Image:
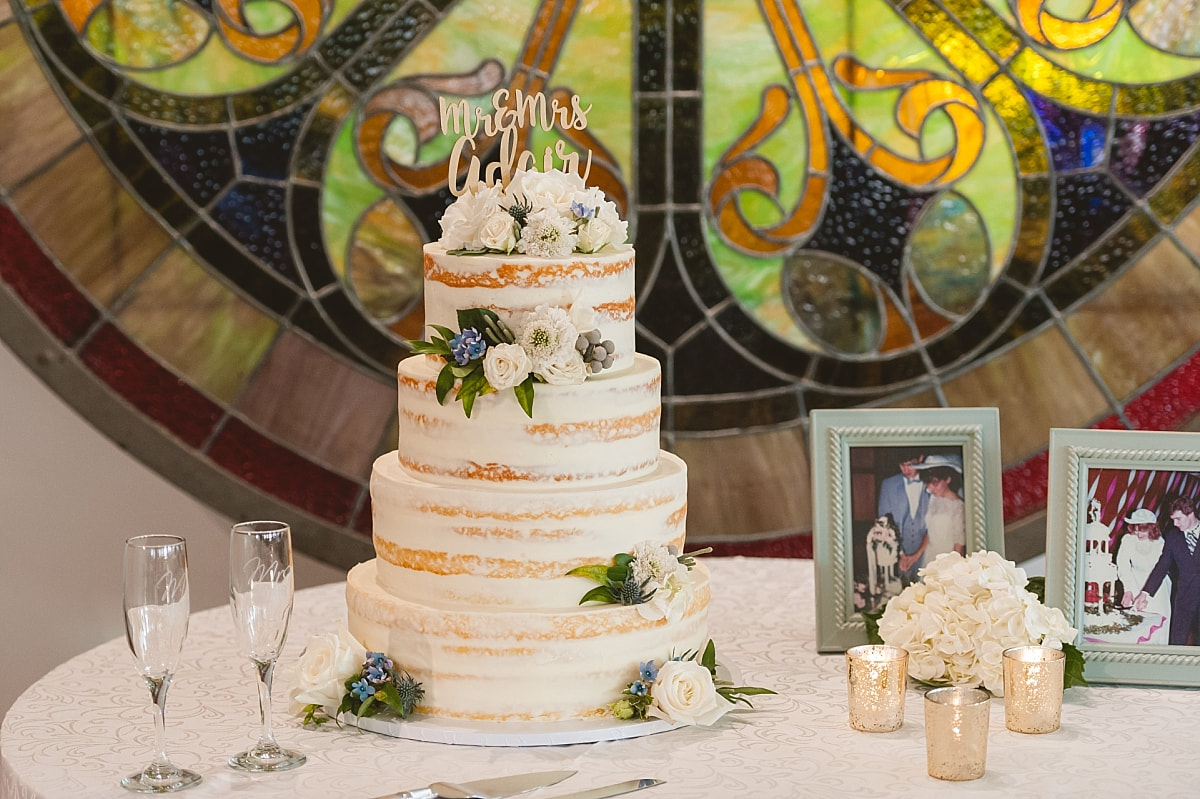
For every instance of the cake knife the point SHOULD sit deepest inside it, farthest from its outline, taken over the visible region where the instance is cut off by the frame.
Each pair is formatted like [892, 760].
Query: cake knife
[495, 788]
[615, 789]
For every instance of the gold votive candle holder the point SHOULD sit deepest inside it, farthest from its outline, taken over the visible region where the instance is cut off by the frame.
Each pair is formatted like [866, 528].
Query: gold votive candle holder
[876, 676]
[1033, 688]
[956, 731]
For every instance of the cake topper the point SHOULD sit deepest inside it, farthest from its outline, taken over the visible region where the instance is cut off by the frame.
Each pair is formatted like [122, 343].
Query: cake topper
[514, 110]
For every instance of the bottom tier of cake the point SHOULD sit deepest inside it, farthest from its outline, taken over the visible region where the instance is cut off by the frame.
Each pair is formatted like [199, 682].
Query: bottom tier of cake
[513, 665]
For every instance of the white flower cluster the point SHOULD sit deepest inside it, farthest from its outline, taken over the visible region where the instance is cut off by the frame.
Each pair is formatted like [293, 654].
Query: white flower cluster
[684, 693]
[545, 345]
[325, 665]
[562, 215]
[659, 568]
[958, 620]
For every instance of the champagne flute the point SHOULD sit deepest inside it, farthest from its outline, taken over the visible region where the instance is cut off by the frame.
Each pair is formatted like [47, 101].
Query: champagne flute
[157, 605]
[260, 596]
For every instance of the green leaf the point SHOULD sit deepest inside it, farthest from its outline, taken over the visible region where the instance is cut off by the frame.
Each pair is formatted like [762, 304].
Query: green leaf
[709, 659]
[445, 382]
[1037, 587]
[445, 333]
[618, 574]
[623, 559]
[524, 394]
[436, 347]
[1073, 670]
[871, 620]
[463, 371]
[601, 593]
[478, 318]
[472, 385]
[596, 572]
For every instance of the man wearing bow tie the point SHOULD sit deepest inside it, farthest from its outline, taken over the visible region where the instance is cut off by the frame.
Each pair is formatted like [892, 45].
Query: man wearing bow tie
[1181, 559]
[903, 496]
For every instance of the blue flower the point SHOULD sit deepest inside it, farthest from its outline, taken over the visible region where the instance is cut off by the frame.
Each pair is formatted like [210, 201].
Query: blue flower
[375, 674]
[362, 690]
[649, 671]
[467, 346]
[638, 688]
[581, 211]
[379, 661]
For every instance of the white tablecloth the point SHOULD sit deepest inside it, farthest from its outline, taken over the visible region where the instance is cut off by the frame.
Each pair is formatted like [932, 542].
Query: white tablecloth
[86, 724]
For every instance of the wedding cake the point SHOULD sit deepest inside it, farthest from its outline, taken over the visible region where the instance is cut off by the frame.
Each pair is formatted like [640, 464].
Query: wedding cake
[528, 448]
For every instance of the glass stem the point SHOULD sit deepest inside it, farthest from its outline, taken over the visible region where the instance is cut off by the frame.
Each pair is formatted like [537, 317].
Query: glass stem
[266, 671]
[158, 692]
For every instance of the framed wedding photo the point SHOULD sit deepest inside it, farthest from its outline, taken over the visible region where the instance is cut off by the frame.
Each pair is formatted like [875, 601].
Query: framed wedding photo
[1122, 559]
[892, 489]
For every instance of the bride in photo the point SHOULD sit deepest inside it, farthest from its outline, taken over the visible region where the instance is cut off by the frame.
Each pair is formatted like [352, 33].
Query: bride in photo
[945, 519]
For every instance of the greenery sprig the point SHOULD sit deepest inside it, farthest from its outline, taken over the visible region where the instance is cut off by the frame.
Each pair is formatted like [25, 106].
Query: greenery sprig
[639, 695]
[618, 584]
[463, 352]
[377, 685]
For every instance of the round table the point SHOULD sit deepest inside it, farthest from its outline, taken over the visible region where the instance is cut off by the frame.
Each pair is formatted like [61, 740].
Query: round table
[87, 723]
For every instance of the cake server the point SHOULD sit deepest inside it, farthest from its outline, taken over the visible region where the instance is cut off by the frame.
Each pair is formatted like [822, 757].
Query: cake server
[615, 789]
[495, 788]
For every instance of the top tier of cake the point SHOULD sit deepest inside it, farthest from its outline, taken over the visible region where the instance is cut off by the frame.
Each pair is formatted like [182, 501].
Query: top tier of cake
[512, 285]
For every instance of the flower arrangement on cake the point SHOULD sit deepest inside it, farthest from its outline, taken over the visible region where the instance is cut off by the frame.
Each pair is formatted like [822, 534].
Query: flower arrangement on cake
[550, 345]
[964, 612]
[547, 214]
[338, 675]
[684, 690]
[655, 577]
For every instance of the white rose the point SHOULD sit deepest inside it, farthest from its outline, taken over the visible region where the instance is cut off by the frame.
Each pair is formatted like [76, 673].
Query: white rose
[499, 231]
[618, 227]
[566, 370]
[506, 366]
[594, 235]
[325, 665]
[551, 190]
[684, 693]
[463, 221]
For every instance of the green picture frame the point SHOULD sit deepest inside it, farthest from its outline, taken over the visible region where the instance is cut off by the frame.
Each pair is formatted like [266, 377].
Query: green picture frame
[1149, 469]
[849, 460]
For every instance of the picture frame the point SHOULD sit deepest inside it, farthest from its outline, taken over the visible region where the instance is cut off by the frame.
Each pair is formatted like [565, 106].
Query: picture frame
[1107, 485]
[853, 453]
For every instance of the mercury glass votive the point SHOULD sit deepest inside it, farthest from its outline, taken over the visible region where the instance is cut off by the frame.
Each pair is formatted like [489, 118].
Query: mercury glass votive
[1033, 688]
[876, 676]
[956, 730]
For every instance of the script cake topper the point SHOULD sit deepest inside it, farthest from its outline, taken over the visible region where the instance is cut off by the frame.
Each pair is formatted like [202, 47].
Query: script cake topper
[513, 111]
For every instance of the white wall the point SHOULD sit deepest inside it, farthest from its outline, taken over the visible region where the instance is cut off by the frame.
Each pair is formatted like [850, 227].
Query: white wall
[69, 498]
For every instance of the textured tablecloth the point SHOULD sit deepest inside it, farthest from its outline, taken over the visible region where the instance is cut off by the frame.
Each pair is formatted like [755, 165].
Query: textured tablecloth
[77, 731]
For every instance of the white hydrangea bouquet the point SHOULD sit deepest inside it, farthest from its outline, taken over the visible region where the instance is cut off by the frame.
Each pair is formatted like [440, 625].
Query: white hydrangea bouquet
[959, 618]
[544, 214]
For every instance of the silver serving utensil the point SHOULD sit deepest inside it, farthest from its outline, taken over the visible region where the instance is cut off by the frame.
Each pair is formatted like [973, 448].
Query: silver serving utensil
[495, 788]
[615, 789]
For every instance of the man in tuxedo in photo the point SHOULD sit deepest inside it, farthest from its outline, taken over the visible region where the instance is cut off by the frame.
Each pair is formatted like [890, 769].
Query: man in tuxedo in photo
[904, 498]
[1180, 558]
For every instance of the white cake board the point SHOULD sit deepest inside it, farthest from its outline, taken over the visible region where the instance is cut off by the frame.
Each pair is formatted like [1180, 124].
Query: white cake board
[515, 733]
